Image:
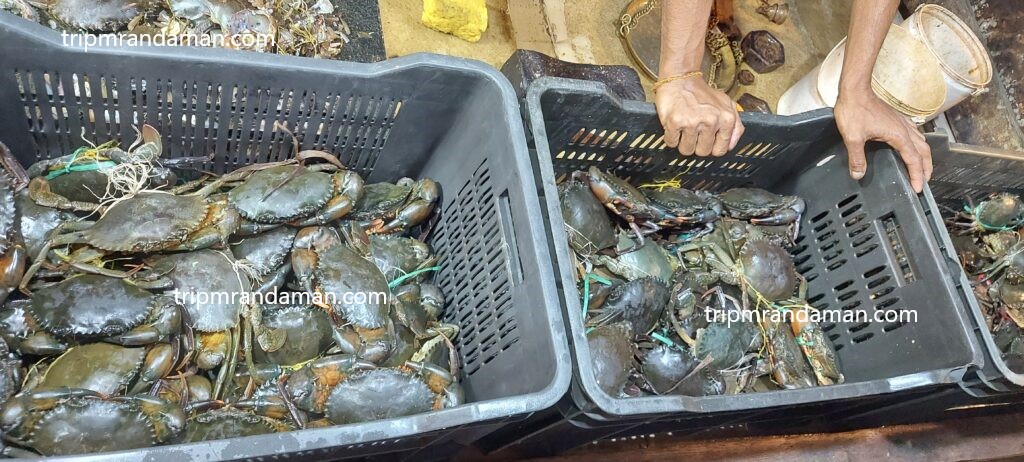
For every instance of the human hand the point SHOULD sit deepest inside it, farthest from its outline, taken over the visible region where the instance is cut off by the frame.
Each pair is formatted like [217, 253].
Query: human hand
[697, 118]
[862, 117]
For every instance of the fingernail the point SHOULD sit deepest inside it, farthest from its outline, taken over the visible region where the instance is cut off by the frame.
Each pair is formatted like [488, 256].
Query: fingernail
[856, 174]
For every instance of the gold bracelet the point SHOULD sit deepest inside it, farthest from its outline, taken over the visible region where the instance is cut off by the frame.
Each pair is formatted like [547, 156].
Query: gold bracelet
[687, 75]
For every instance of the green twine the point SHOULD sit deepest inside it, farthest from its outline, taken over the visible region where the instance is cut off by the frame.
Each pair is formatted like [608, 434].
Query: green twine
[802, 342]
[70, 167]
[401, 279]
[974, 212]
[663, 339]
[586, 290]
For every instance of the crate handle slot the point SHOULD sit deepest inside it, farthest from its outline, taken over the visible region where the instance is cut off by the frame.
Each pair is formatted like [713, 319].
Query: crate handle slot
[508, 231]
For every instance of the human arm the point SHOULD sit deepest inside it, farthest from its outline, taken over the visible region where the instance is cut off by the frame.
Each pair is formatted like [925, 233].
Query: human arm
[860, 114]
[697, 118]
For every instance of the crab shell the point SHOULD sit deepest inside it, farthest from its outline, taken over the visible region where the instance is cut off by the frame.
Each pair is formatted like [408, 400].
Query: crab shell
[299, 196]
[101, 367]
[147, 221]
[341, 274]
[679, 202]
[91, 307]
[611, 354]
[750, 202]
[641, 302]
[307, 332]
[397, 256]
[769, 269]
[8, 212]
[586, 219]
[35, 221]
[725, 343]
[266, 251]
[380, 198]
[620, 196]
[378, 394]
[85, 425]
[1001, 211]
[230, 423]
[664, 367]
[210, 272]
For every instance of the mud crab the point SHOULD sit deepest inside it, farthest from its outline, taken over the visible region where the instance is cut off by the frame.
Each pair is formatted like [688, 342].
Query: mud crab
[75, 421]
[395, 256]
[267, 253]
[586, 220]
[680, 206]
[306, 331]
[624, 200]
[612, 354]
[646, 259]
[353, 288]
[763, 269]
[90, 308]
[213, 420]
[107, 369]
[761, 207]
[296, 194]
[387, 208]
[1000, 212]
[640, 302]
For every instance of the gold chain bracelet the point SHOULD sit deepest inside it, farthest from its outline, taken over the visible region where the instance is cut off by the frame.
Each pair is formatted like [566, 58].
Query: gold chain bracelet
[687, 75]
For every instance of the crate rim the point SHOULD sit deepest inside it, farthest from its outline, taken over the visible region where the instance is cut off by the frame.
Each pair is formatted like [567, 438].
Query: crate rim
[603, 404]
[493, 410]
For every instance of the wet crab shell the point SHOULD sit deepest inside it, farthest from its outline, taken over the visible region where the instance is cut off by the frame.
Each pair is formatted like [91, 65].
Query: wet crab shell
[101, 367]
[147, 221]
[769, 269]
[750, 202]
[1003, 210]
[300, 196]
[85, 425]
[35, 222]
[229, 423]
[664, 367]
[211, 273]
[341, 275]
[586, 219]
[641, 302]
[90, 307]
[8, 212]
[611, 354]
[307, 332]
[396, 256]
[725, 343]
[378, 394]
[380, 198]
[85, 186]
[268, 250]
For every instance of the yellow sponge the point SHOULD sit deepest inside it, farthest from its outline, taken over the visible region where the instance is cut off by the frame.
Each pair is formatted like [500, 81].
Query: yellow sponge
[465, 19]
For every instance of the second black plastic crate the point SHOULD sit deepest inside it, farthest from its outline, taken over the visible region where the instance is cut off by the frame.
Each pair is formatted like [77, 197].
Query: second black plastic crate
[863, 245]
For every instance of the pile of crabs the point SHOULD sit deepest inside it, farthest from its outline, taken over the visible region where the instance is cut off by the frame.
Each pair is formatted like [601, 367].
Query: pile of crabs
[137, 308]
[672, 283]
[987, 238]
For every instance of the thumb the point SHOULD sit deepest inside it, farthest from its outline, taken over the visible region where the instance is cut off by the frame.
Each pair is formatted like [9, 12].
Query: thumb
[856, 159]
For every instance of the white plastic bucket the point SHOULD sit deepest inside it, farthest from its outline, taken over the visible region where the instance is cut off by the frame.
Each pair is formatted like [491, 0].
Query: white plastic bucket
[906, 76]
[966, 66]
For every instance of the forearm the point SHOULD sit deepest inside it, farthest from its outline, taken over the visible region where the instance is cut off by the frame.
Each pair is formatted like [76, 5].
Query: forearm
[869, 24]
[684, 24]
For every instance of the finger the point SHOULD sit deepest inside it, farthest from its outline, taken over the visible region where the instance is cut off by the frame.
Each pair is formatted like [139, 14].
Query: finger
[706, 139]
[672, 137]
[737, 132]
[925, 152]
[724, 136]
[912, 158]
[688, 141]
[856, 159]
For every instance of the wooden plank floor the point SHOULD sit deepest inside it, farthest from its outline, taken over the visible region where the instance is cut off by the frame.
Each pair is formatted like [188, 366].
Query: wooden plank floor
[974, 438]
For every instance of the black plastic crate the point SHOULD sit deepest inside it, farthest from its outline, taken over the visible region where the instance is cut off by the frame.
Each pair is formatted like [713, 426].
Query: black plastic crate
[454, 120]
[965, 172]
[872, 242]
